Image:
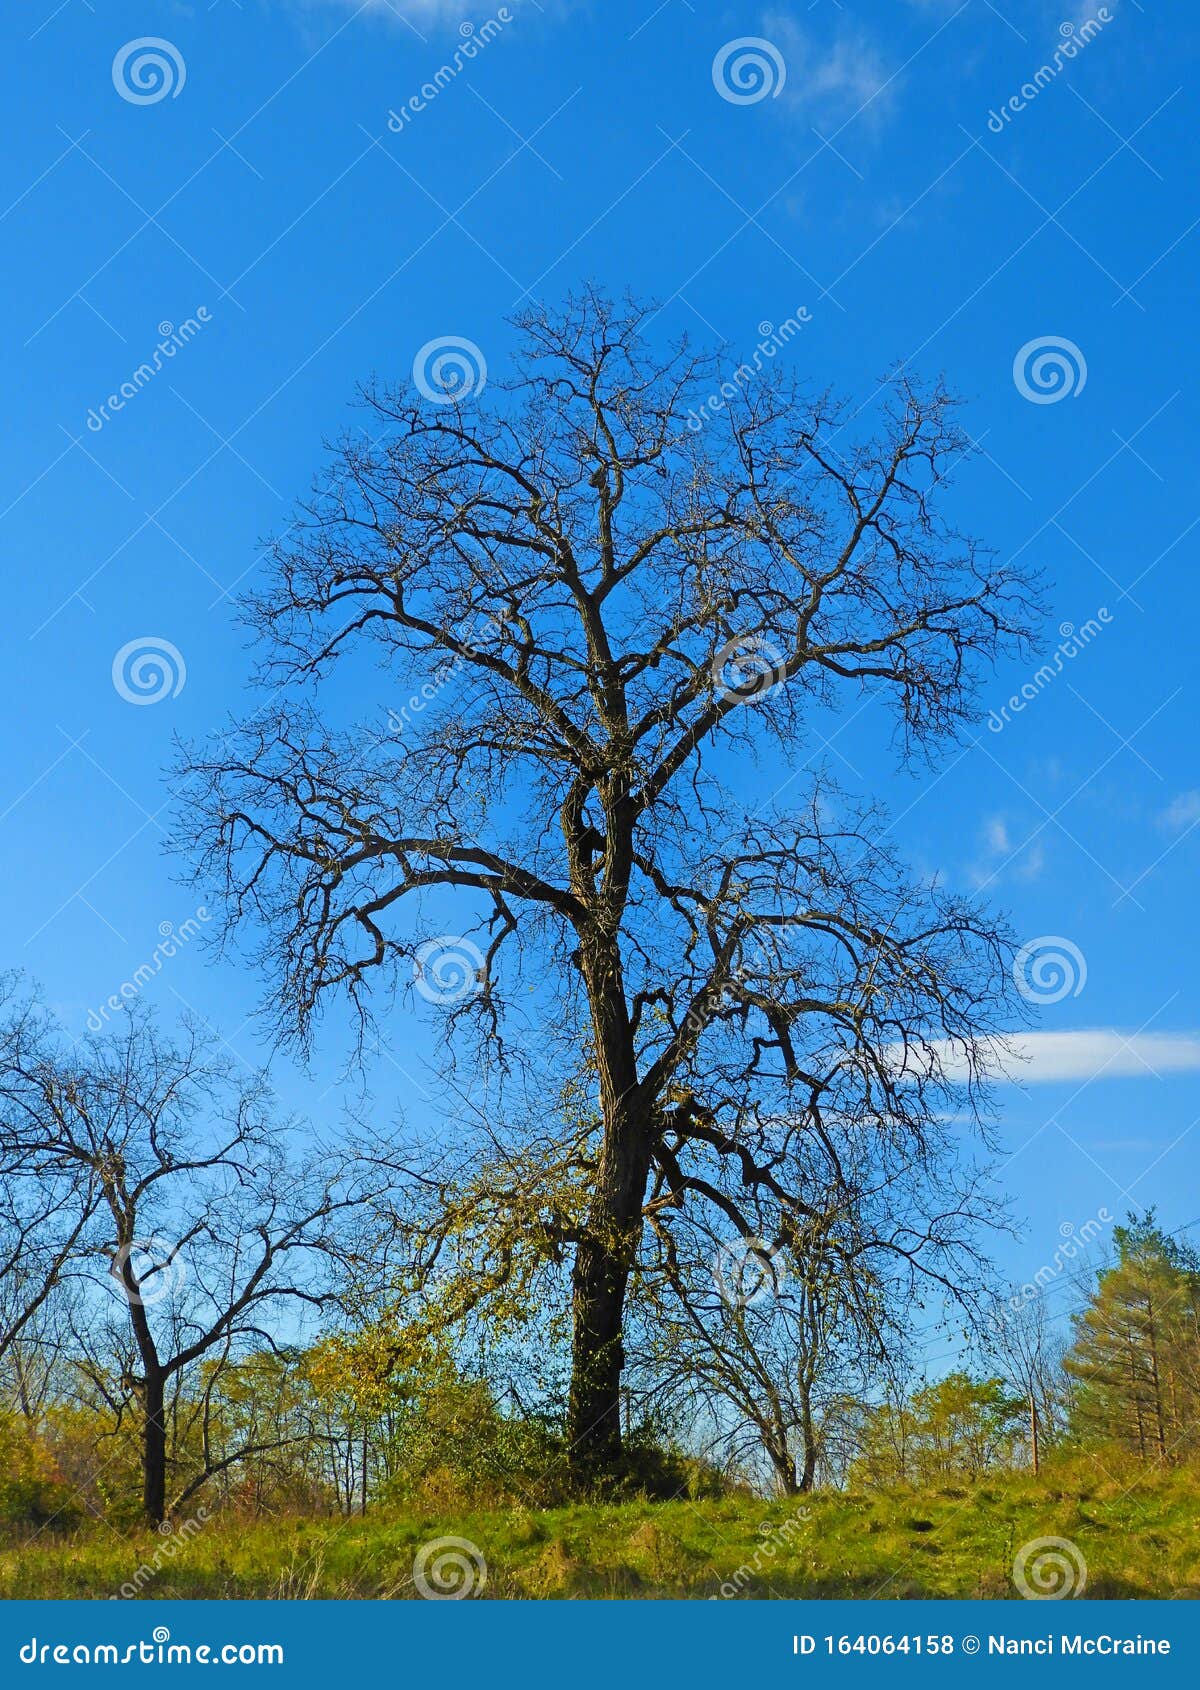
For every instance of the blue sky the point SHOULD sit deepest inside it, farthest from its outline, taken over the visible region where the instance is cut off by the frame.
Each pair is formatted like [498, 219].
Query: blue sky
[264, 202]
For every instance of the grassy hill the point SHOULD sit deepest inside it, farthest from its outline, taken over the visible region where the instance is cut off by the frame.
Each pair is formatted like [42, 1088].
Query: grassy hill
[1138, 1534]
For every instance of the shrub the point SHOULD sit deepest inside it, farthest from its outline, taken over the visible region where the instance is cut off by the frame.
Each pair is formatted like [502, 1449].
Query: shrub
[32, 1490]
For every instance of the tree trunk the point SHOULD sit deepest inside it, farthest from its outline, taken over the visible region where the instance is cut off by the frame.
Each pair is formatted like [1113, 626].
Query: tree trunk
[605, 1254]
[599, 1280]
[24, 1403]
[808, 1435]
[785, 1469]
[154, 1375]
[154, 1450]
[1033, 1433]
[597, 1357]
[1159, 1428]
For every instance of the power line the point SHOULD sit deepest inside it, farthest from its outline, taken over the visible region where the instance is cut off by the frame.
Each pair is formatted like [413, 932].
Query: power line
[1062, 1314]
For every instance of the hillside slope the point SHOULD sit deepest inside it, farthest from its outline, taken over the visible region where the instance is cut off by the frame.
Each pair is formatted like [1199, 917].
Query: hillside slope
[1137, 1538]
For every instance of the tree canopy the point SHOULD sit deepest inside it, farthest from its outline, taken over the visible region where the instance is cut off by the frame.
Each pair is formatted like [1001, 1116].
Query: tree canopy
[611, 610]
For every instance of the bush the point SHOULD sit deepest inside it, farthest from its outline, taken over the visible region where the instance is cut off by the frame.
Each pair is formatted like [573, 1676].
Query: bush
[32, 1490]
[456, 1446]
[655, 1468]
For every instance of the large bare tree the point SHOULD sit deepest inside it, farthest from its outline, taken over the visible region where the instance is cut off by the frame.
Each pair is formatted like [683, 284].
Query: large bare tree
[600, 613]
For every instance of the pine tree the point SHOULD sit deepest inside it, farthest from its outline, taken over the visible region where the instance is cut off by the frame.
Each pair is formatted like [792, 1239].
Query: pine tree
[1135, 1356]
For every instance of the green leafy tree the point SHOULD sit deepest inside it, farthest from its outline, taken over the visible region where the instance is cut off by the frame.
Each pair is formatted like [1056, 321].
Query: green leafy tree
[958, 1427]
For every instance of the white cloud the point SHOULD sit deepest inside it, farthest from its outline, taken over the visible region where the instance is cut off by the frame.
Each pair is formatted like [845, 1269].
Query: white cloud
[840, 76]
[1032, 862]
[1182, 812]
[995, 835]
[1024, 860]
[1092, 1054]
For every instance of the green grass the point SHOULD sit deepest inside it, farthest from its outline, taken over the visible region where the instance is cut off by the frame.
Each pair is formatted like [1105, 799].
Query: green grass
[1139, 1535]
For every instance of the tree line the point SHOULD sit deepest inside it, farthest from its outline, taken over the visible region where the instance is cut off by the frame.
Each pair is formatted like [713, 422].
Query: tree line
[192, 1314]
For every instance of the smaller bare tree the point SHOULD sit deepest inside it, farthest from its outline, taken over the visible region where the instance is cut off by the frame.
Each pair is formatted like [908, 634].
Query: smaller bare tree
[751, 1341]
[779, 1327]
[47, 1206]
[205, 1231]
[1021, 1341]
